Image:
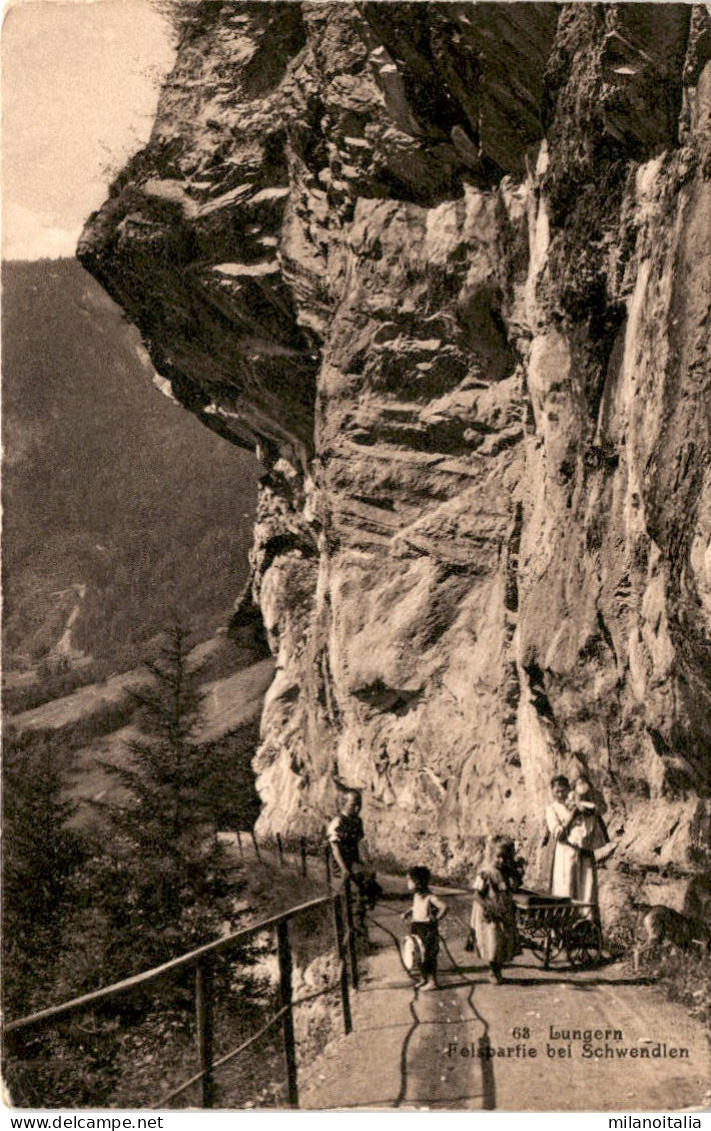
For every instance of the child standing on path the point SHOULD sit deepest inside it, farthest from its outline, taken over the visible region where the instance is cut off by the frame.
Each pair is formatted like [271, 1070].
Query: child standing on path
[493, 914]
[427, 911]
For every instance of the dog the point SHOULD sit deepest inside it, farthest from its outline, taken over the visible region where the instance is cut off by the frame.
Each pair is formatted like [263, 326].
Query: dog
[662, 925]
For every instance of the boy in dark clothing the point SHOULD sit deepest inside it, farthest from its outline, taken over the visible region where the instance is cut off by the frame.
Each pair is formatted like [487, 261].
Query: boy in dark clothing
[426, 912]
[345, 832]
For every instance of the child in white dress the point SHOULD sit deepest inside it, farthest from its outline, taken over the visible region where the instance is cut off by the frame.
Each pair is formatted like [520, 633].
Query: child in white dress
[493, 920]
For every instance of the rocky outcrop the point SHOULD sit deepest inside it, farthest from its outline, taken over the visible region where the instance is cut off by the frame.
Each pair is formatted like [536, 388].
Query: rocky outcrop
[446, 268]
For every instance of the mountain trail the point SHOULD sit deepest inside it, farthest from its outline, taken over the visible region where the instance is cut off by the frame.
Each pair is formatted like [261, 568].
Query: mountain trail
[477, 1046]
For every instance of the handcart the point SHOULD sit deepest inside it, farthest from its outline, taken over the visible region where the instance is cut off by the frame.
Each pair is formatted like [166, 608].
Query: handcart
[549, 925]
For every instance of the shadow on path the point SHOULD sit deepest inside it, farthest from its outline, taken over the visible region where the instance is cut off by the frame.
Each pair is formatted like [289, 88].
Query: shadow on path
[456, 1049]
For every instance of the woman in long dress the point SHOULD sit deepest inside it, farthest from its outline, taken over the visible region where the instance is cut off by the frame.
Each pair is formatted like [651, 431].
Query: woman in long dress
[586, 834]
[564, 856]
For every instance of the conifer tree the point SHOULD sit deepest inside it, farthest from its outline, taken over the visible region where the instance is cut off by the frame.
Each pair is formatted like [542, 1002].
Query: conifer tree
[165, 878]
[40, 852]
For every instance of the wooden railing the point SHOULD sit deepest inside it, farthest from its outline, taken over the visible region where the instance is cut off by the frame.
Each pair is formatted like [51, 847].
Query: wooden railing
[202, 960]
[301, 848]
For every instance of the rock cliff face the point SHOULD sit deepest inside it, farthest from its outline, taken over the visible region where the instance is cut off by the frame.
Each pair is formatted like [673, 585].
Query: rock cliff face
[446, 267]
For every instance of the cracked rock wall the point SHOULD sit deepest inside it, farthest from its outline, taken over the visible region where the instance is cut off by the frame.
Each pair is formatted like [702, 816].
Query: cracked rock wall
[446, 268]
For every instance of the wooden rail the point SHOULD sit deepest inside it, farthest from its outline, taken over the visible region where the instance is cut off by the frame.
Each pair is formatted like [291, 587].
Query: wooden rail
[285, 1000]
[191, 958]
[202, 960]
[299, 847]
[204, 1027]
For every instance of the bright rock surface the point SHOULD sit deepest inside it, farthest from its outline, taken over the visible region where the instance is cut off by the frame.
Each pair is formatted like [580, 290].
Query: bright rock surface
[446, 267]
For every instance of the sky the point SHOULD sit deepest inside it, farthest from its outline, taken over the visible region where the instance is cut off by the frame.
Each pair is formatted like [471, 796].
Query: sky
[80, 83]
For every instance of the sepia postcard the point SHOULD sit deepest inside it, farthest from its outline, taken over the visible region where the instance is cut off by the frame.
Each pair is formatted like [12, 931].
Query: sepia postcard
[356, 492]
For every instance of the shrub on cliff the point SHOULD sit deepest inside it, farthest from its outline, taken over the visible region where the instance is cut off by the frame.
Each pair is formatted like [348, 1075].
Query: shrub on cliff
[187, 16]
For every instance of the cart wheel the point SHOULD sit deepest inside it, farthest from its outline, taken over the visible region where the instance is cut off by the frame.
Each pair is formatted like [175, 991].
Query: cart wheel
[583, 943]
[543, 945]
[537, 949]
[413, 954]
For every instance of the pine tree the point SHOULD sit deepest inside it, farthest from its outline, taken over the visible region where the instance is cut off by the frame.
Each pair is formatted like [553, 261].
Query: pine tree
[165, 878]
[40, 853]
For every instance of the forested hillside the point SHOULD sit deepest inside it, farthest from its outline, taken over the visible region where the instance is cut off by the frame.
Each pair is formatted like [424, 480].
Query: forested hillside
[119, 507]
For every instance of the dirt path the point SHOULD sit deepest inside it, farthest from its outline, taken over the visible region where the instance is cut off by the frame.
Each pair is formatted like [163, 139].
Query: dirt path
[443, 1050]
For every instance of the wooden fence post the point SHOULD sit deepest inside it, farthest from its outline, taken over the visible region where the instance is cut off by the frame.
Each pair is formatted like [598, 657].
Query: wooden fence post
[256, 847]
[343, 978]
[352, 951]
[204, 1025]
[281, 850]
[285, 994]
[304, 866]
